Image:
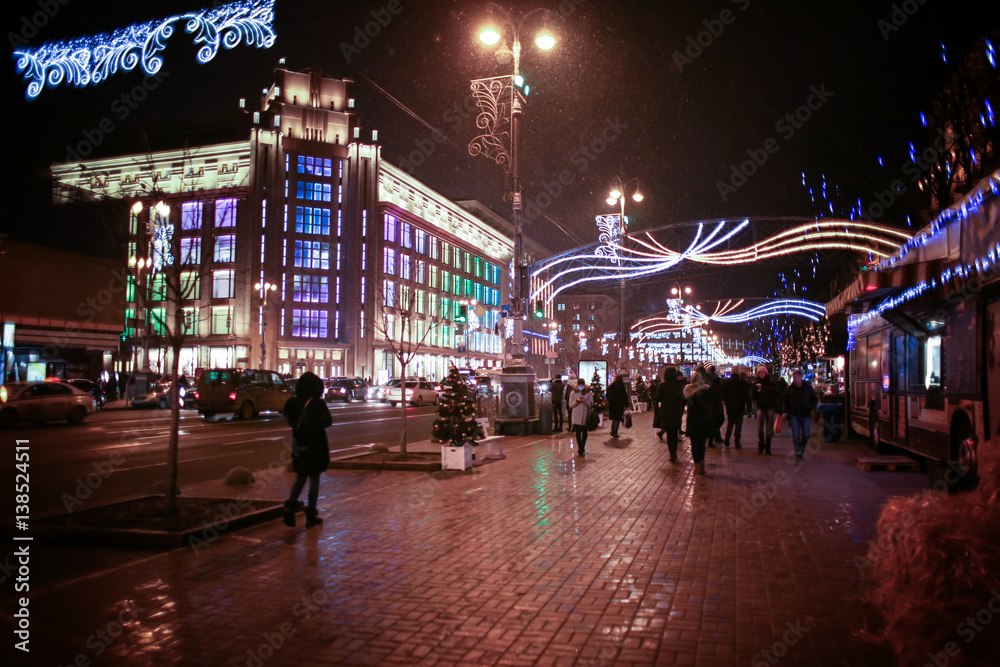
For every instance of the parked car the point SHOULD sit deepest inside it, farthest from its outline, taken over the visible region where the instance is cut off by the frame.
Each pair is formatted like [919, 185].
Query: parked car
[417, 392]
[347, 390]
[91, 388]
[243, 392]
[40, 402]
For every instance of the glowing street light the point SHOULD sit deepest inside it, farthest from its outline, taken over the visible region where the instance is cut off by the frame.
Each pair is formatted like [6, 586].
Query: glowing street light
[616, 197]
[263, 288]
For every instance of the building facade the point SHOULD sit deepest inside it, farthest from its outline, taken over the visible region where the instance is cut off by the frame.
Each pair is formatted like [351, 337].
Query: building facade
[367, 263]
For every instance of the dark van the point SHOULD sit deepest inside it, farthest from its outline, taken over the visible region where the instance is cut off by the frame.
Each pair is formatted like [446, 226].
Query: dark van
[241, 391]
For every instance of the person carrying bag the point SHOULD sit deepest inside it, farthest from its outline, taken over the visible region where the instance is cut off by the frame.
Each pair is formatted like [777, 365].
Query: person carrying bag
[582, 415]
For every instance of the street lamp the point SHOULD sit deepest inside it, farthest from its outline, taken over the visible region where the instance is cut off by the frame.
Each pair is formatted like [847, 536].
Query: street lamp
[262, 291]
[678, 292]
[490, 94]
[616, 197]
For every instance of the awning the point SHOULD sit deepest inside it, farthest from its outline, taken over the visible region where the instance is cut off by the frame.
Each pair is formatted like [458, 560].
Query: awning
[875, 283]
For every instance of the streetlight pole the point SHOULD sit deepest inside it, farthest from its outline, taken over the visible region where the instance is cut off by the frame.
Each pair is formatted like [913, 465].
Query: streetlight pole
[488, 93]
[617, 196]
[262, 292]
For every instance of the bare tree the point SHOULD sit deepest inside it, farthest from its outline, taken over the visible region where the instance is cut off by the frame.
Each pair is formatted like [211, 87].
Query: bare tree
[398, 312]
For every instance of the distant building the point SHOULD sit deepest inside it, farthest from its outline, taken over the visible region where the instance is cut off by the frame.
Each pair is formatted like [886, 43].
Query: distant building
[61, 312]
[587, 326]
[304, 203]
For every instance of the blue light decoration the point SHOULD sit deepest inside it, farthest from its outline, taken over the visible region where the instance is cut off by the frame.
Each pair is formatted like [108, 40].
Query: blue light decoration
[991, 54]
[923, 119]
[92, 59]
[163, 232]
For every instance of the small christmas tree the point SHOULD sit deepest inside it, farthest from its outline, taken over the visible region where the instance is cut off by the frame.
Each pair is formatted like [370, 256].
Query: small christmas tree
[456, 421]
[598, 391]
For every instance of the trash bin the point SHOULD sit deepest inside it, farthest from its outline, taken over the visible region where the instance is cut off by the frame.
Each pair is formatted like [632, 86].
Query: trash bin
[831, 418]
[545, 415]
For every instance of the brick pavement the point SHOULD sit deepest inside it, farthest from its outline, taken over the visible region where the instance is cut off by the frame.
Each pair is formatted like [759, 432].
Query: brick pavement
[544, 558]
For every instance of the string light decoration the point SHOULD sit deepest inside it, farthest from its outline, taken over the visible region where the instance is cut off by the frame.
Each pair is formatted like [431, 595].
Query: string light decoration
[92, 59]
[806, 347]
[642, 254]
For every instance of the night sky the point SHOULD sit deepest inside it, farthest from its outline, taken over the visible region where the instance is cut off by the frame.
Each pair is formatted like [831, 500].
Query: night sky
[612, 98]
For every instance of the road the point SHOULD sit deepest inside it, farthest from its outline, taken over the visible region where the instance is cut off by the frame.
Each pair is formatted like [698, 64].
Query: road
[122, 452]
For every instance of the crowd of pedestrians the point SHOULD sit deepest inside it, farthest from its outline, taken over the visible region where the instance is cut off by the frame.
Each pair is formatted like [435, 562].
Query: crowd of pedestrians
[708, 400]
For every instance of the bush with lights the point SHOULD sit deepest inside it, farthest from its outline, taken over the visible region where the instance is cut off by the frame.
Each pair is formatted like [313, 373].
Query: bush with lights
[456, 422]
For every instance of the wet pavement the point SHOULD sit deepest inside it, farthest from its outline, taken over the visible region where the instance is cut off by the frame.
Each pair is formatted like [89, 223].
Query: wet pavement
[544, 558]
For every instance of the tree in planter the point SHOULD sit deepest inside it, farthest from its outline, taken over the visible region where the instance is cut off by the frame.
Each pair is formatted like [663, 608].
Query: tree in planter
[598, 392]
[395, 323]
[456, 421]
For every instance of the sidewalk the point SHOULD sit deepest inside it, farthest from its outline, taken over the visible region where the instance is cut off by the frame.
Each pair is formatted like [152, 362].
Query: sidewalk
[544, 558]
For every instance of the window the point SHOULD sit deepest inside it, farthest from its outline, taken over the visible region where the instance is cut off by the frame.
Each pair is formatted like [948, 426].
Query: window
[404, 267]
[479, 292]
[191, 251]
[560, 306]
[190, 286]
[223, 285]
[432, 305]
[222, 319]
[468, 262]
[406, 235]
[309, 323]
[225, 213]
[435, 272]
[191, 215]
[923, 363]
[310, 220]
[157, 287]
[420, 241]
[389, 261]
[457, 258]
[446, 308]
[421, 272]
[421, 301]
[445, 280]
[468, 287]
[390, 228]
[456, 286]
[224, 247]
[389, 294]
[190, 316]
[312, 289]
[315, 166]
[445, 252]
[433, 247]
[313, 191]
[312, 255]
[496, 275]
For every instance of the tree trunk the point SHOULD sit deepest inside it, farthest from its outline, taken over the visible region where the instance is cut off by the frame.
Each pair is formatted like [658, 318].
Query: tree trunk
[175, 420]
[402, 404]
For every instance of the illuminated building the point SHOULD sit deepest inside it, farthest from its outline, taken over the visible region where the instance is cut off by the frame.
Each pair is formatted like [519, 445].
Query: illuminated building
[305, 202]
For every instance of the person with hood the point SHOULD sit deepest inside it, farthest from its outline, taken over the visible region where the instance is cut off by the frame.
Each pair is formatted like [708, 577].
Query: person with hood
[715, 408]
[669, 410]
[556, 387]
[617, 402]
[309, 417]
[800, 401]
[699, 422]
[580, 402]
[735, 396]
[765, 395]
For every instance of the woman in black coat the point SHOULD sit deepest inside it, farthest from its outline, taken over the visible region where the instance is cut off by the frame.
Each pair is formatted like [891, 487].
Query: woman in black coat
[670, 410]
[617, 402]
[309, 417]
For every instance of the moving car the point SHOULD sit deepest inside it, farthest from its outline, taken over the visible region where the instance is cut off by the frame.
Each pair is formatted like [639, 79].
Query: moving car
[417, 392]
[91, 388]
[40, 402]
[379, 392]
[241, 391]
[346, 389]
[158, 395]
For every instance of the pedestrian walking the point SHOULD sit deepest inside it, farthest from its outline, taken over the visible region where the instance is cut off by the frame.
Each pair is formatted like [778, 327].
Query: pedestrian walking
[122, 384]
[735, 396]
[581, 402]
[670, 410]
[309, 417]
[765, 395]
[556, 388]
[800, 401]
[715, 407]
[654, 386]
[699, 422]
[617, 402]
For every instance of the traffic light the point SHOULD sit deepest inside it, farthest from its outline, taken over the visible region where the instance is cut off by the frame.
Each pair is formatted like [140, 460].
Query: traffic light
[539, 309]
[520, 84]
[462, 315]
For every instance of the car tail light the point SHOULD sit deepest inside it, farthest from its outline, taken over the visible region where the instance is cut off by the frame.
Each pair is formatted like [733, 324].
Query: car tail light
[409, 393]
[3, 394]
[194, 395]
[232, 396]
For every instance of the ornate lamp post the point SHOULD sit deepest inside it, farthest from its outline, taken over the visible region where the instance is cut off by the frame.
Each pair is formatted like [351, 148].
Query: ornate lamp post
[263, 289]
[501, 101]
[616, 197]
[678, 292]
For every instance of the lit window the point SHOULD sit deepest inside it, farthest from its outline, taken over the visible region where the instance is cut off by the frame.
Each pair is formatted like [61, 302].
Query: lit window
[225, 213]
[309, 323]
[313, 289]
[222, 319]
[223, 285]
[389, 261]
[190, 251]
[390, 228]
[191, 215]
[224, 248]
[312, 255]
[310, 220]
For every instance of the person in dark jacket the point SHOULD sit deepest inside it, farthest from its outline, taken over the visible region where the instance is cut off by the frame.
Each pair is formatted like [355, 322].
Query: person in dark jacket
[557, 388]
[654, 385]
[765, 395]
[735, 396]
[699, 422]
[670, 410]
[715, 407]
[309, 417]
[617, 402]
[580, 402]
[800, 401]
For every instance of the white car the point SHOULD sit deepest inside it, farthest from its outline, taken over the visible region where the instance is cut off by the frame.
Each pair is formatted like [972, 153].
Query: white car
[417, 393]
[40, 402]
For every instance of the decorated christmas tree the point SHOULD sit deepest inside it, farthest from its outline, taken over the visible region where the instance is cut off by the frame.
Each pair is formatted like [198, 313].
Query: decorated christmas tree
[598, 391]
[456, 422]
